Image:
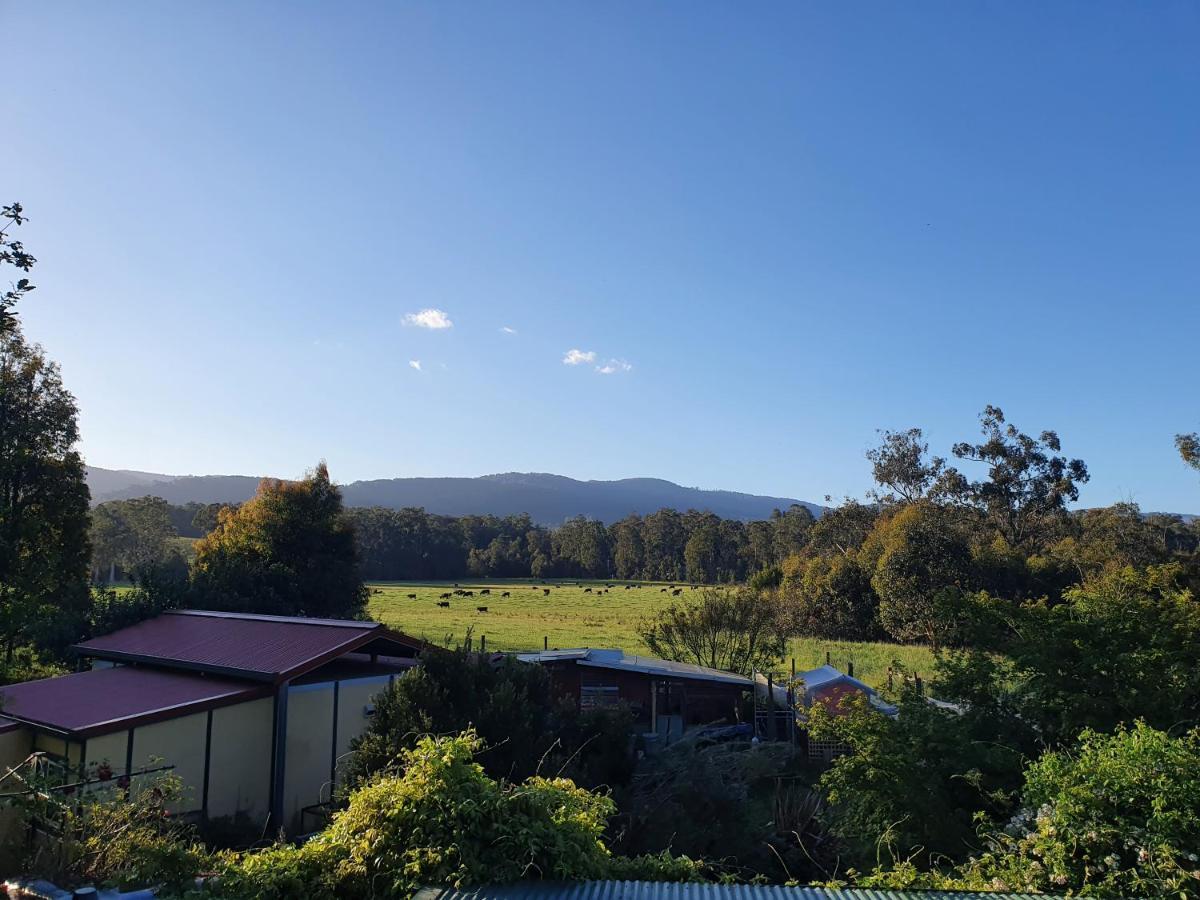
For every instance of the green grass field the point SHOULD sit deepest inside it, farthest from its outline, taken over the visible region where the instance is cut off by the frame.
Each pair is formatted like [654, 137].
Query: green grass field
[572, 617]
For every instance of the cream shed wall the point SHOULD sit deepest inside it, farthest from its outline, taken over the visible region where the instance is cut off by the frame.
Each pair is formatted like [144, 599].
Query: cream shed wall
[322, 720]
[240, 760]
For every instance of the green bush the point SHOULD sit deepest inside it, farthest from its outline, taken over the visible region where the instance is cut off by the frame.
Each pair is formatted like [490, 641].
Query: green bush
[282, 872]
[511, 705]
[1116, 816]
[443, 822]
[749, 809]
[117, 836]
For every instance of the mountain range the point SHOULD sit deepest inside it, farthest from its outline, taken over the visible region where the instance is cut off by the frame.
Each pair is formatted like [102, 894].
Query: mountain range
[548, 499]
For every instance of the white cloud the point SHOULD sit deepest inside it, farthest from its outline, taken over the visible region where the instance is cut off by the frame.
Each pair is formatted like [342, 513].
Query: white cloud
[415, 364]
[577, 357]
[435, 319]
[508, 329]
[614, 366]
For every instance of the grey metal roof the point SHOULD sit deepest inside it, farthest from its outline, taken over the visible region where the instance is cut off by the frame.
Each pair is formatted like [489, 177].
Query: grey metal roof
[617, 659]
[669, 890]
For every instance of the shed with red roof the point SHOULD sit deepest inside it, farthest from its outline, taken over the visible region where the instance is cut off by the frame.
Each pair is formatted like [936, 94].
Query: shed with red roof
[252, 712]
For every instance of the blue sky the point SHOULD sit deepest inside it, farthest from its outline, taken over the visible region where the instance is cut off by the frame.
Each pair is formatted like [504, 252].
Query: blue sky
[789, 224]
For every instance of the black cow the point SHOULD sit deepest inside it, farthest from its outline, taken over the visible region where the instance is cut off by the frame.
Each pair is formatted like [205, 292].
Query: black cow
[481, 609]
[545, 592]
[485, 591]
[445, 596]
[505, 594]
[412, 596]
[445, 604]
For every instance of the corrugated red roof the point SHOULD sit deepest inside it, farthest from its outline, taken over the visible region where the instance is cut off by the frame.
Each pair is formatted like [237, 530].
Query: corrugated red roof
[103, 700]
[267, 648]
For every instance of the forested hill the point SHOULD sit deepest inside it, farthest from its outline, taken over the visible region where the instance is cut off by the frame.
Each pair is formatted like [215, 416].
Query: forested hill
[548, 499]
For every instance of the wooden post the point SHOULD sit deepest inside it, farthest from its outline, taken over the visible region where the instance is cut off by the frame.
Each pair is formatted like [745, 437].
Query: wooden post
[793, 668]
[826, 657]
[792, 712]
[546, 642]
[772, 732]
[483, 643]
[850, 668]
[753, 696]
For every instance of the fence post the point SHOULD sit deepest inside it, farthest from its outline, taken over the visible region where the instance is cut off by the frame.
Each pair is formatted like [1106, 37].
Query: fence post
[483, 643]
[774, 731]
[793, 668]
[791, 726]
[826, 657]
[546, 642]
[850, 668]
[754, 697]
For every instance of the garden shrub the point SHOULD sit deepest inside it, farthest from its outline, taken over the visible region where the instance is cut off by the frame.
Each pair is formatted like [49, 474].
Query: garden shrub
[511, 705]
[444, 822]
[111, 835]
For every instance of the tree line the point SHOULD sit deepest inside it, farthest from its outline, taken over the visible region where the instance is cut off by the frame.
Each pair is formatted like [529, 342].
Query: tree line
[411, 544]
[931, 535]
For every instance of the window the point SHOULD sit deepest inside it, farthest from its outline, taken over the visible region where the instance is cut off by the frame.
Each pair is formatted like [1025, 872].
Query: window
[592, 696]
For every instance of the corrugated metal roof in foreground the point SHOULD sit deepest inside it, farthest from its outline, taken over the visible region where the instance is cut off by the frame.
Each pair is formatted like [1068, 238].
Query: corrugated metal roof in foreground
[666, 890]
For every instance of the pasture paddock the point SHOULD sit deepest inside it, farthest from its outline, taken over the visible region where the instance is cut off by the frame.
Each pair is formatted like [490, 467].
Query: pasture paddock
[578, 614]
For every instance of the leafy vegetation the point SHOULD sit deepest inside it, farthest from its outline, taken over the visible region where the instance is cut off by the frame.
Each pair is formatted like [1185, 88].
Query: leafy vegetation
[288, 551]
[522, 726]
[99, 830]
[736, 630]
[43, 495]
[444, 821]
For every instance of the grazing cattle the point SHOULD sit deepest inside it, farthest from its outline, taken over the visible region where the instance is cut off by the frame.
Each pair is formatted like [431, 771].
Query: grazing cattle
[545, 592]
[485, 591]
[694, 586]
[445, 596]
[676, 592]
[628, 587]
[445, 604]
[671, 586]
[481, 609]
[505, 594]
[412, 596]
[587, 590]
[468, 593]
[662, 590]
